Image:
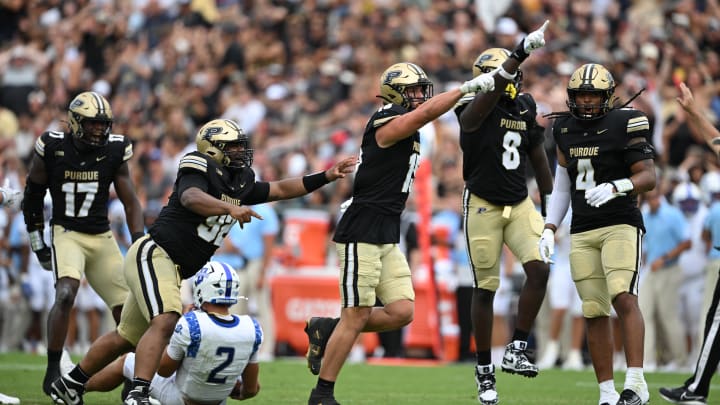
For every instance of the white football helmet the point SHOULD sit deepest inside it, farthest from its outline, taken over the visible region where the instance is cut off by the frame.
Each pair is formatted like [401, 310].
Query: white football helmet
[688, 197]
[710, 185]
[216, 283]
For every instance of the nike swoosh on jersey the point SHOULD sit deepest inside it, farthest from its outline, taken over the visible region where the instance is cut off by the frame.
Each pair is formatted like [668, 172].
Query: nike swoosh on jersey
[523, 112]
[601, 131]
[99, 158]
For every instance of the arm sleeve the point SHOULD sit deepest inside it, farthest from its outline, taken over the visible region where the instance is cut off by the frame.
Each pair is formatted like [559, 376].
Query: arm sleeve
[560, 197]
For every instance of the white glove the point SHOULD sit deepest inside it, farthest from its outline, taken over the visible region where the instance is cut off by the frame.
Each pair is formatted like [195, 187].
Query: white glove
[546, 245]
[483, 83]
[601, 194]
[11, 197]
[535, 39]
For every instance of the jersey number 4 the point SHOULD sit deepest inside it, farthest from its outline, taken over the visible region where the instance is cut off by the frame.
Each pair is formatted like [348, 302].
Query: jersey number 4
[71, 189]
[586, 175]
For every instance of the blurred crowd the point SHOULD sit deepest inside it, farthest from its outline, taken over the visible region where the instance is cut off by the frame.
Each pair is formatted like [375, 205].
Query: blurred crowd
[301, 77]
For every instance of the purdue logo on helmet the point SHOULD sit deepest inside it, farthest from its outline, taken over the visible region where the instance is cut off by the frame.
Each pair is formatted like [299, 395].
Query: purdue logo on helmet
[590, 78]
[225, 143]
[216, 283]
[90, 118]
[492, 59]
[396, 79]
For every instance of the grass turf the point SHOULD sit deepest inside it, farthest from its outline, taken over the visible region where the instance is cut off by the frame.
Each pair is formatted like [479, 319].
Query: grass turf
[287, 381]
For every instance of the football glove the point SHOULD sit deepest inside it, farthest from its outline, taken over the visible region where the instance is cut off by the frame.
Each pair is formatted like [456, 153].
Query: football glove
[42, 251]
[483, 83]
[534, 40]
[11, 197]
[546, 245]
[601, 194]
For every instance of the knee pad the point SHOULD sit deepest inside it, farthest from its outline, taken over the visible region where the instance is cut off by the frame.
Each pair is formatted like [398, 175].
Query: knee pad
[594, 309]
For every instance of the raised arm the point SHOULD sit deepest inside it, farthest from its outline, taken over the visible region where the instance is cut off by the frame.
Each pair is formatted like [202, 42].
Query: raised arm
[697, 120]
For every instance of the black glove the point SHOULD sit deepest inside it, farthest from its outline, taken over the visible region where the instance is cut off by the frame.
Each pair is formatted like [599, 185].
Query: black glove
[44, 255]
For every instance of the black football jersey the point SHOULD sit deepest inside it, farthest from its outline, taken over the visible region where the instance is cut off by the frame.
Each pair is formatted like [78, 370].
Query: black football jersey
[594, 152]
[79, 182]
[382, 184]
[495, 156]
[191, 239]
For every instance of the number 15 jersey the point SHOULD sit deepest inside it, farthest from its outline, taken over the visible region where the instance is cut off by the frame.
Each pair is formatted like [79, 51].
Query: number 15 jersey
[382, 184]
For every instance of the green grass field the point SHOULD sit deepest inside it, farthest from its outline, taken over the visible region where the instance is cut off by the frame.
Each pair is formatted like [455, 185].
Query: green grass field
[287, 381]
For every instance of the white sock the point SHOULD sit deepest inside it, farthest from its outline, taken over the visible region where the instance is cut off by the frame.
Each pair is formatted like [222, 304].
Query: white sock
[608, 394]
[635, 380]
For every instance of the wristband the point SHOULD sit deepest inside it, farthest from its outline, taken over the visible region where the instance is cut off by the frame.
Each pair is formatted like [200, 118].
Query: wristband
[519, 53]
[36, 241]
[314, 181]
[136, 235]
[623, 185]
[505, 75]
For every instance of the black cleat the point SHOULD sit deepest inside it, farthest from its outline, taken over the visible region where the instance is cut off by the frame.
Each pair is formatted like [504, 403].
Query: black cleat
[682, 395]
[318, 398]
[318, 330]
[630, 397]
[51, 374]
[66, 391]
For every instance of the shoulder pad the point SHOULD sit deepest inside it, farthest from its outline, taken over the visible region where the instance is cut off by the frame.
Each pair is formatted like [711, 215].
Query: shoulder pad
[385, 114]
[121, 143]
[194, 161]
[637, 122]
[46, 139]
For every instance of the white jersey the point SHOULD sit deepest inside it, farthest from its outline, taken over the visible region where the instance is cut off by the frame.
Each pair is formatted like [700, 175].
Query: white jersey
[214, 353]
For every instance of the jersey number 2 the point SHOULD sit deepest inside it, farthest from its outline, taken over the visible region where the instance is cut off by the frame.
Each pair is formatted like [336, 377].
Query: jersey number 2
[222, 350]
[70, 189]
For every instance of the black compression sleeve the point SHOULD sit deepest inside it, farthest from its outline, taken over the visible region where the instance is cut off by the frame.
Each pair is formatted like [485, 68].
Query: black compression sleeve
[32, 206]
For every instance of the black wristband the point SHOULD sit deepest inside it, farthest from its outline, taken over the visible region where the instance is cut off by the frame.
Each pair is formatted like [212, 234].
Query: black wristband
[136, 235]
[314, 181]
[519, 52]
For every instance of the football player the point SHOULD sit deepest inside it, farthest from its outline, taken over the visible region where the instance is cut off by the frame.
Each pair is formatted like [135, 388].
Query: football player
[211, 355]
[498, 136]
[212, 191]
[78, 167]
[696, 389]
[367, 236]
[604, 161]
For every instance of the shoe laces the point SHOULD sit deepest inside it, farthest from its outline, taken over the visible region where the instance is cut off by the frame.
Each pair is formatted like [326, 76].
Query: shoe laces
[485, 382]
